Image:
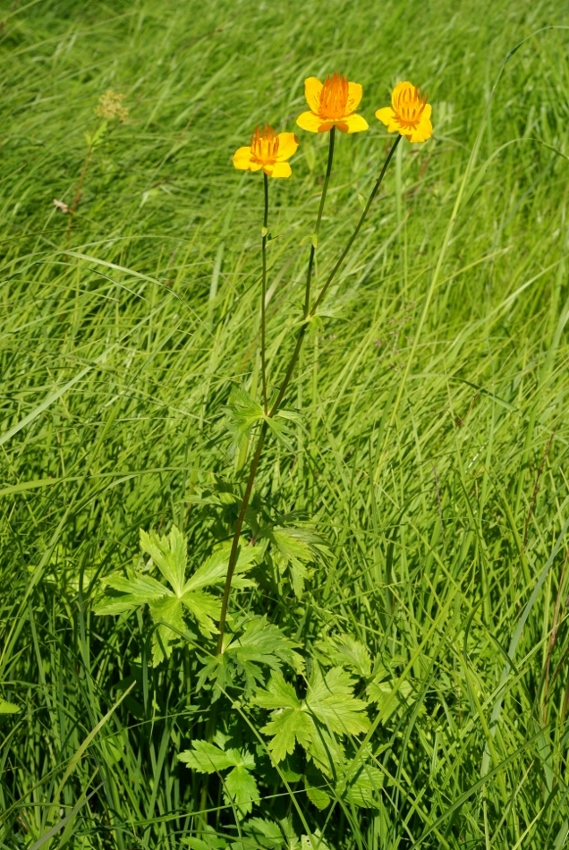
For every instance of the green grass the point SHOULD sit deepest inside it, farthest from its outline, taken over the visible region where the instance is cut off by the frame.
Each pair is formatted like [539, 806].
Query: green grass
[432, 454]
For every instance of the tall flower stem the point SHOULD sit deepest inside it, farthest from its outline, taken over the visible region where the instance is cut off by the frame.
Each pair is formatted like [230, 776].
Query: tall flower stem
[308, 314]
[265, 234]
[318, 220]
[237, 535]
[358, 227]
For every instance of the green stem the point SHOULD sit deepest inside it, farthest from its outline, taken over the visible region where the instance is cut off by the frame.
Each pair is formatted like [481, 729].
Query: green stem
[264, 292]
[363, 217]
[308, 313]
[284, 385]
[318, 220]
[237, 535]
[274, 409]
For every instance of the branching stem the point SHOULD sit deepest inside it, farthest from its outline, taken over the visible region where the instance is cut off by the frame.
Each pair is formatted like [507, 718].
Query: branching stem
[358, 227]
[308, 315]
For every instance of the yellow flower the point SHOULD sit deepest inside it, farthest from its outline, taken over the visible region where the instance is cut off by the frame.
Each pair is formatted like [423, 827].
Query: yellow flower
[410, 114]
[332, 104]
[267, 151]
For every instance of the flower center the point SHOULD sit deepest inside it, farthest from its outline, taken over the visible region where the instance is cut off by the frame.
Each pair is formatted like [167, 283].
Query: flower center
[408, 105]
[334, 97]
[264, 145]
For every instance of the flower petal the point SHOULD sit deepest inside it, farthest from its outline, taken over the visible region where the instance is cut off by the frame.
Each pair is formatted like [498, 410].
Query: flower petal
[423, 132]
[288, 143]
[355, 92]
[313, 123]
[281, 169]
[312, 91]
[242, 158]
[354, 124]
[386, 116]
[398, 89]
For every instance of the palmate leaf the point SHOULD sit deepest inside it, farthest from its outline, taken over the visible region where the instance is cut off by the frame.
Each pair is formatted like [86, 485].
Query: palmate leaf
[243, 412]
[345, 651]
[167, 613]
[326, 752]
[241, 789]
[289, 726]
[240, 786]
[184, 596]
[295, 552]
[363, 791]
[387, 697]
[137, 590]
[261, 833]
[278, 426]
[261, 644]
[317, 796]
[289, 723]
[214, 569]
[169, 554]
[331, 699]
[211, 758]
[295, 548]
[329, 708]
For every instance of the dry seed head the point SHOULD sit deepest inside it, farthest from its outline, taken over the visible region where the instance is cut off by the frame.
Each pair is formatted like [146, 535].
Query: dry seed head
[110, 106]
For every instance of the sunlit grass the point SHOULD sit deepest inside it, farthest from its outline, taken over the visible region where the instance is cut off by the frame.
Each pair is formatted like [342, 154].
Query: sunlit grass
[434, 462]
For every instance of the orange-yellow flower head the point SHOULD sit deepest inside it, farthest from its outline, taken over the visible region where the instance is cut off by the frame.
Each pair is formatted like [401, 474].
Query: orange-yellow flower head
[409, 113]
[332, 104]
[267, 151]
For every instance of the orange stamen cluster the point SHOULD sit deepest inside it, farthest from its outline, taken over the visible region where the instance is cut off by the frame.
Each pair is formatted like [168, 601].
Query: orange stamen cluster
[264, 145]
[409, 105]
[268, 152]
[334, 97]
[332, 103]
[409, 113]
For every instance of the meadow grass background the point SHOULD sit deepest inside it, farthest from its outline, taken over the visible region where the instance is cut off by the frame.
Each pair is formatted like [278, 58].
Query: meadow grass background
[433, 449]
